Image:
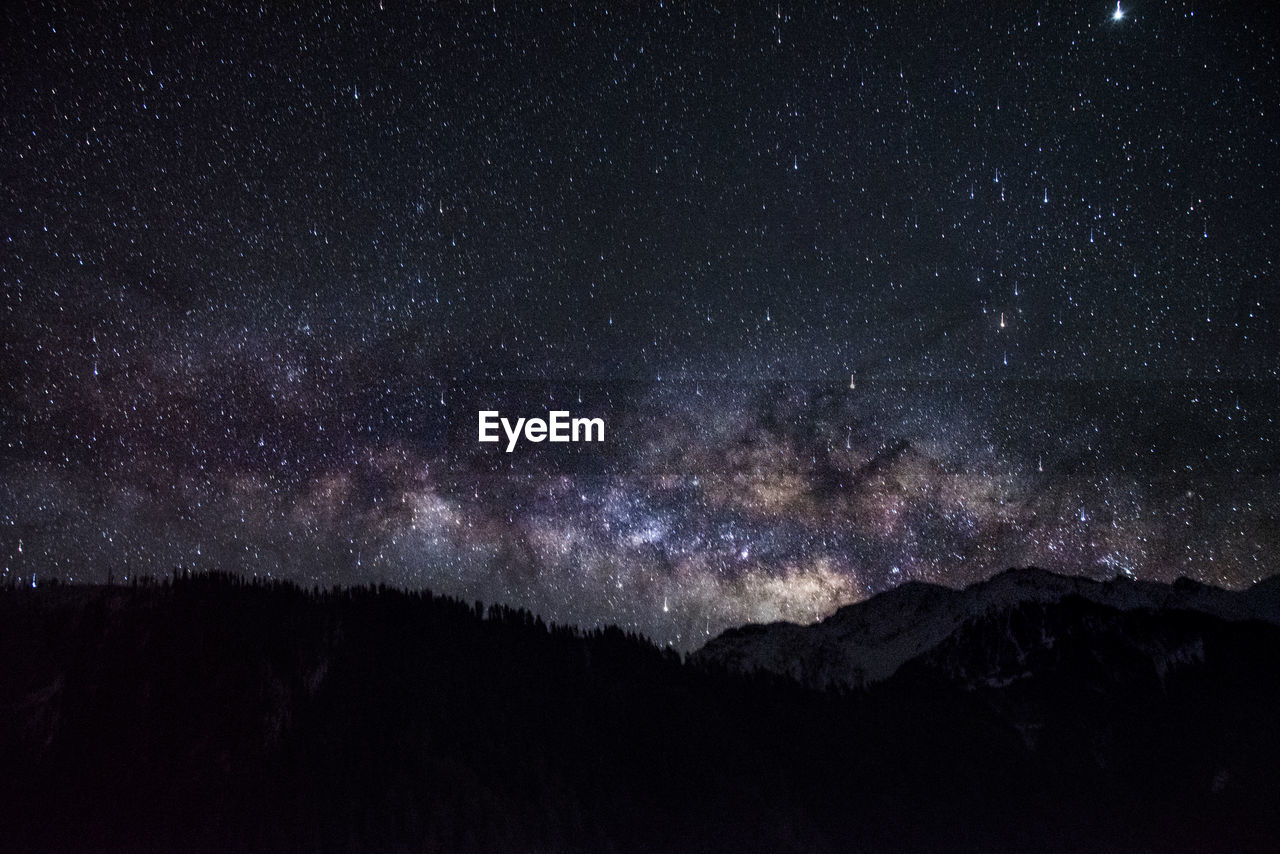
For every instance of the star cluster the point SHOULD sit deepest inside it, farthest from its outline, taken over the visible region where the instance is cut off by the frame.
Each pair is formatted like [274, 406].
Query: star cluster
[864, 294]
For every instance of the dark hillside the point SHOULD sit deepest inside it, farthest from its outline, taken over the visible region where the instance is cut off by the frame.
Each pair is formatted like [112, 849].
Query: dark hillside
[213, 714]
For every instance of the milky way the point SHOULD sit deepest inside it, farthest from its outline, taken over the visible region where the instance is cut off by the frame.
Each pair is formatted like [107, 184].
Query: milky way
[863, 295]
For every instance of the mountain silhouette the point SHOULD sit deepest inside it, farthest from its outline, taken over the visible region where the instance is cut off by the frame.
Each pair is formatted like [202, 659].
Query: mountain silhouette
[868, 641]
[1033, 712]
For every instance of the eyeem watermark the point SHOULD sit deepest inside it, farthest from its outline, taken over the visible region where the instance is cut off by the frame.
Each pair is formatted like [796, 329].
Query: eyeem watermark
[558, 427]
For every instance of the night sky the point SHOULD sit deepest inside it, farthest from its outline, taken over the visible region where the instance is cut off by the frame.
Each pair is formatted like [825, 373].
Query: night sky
[864, 294]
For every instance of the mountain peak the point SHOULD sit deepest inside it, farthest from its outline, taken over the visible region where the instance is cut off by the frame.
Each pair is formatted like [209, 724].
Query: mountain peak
[869, 641]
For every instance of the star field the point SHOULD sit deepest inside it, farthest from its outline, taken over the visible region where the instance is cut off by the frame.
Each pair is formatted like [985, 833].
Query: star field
[864, 294]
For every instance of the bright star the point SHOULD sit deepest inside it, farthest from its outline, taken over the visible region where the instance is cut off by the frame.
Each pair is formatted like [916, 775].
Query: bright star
[1118, 14]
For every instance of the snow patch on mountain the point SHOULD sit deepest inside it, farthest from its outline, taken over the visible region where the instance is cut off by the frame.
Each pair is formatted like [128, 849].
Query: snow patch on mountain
[869, 641]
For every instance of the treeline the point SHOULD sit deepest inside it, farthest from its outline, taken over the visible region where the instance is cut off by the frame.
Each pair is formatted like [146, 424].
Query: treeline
[219, 713]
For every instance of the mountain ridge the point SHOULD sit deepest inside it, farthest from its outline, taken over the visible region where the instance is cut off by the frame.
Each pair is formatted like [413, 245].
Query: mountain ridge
[223, 714]
[868, 641]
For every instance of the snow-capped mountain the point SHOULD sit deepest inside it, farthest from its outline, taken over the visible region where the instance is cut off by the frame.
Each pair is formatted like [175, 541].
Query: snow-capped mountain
[870, 641]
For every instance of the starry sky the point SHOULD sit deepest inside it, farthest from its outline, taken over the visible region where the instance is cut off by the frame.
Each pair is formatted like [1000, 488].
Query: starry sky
[864, 294]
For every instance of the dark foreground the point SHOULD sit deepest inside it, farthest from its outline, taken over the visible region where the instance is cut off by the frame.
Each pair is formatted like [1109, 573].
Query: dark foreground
[216, 715]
